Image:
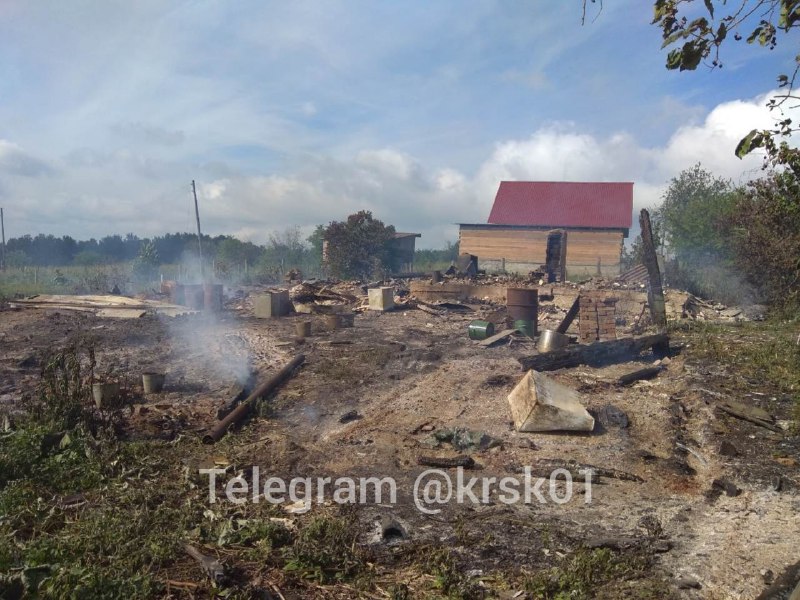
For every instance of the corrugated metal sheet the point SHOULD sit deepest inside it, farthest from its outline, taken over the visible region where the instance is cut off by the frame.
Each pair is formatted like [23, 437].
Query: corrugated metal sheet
[563, 204]
[637, 274]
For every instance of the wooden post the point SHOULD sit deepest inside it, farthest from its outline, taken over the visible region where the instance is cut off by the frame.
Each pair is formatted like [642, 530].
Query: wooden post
[199, 235]
[655, 293]
[3, 251]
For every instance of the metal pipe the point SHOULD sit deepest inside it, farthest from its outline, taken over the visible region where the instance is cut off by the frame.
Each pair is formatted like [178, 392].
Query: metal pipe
[241, 411]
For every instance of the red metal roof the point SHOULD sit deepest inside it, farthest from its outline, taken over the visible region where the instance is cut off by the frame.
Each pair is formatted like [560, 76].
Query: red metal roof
[563, 204]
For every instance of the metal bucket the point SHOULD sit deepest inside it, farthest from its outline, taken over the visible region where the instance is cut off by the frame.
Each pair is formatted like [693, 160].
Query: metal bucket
[552, 340]
[525, 327]
[523, 305]
[153, 382]
[303, 329]
[480, 330]
[333, 322]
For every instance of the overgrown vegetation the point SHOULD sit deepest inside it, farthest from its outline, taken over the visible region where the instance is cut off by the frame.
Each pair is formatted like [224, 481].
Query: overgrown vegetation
[734, 245]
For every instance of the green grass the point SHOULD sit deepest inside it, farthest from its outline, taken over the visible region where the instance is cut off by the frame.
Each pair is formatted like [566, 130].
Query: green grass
[765, 356]
[596, 573]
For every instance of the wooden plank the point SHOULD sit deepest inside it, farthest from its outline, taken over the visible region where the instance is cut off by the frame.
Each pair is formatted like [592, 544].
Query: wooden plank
[596, 354]
[121, 313]
[497, 337]
[746, 415]
[583, 248]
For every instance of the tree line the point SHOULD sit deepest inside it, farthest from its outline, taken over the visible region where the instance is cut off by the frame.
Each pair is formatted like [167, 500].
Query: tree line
[360, 247]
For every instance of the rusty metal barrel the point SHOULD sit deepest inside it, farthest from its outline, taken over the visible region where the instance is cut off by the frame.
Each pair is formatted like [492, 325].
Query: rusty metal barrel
[523, 305]
[212, 297]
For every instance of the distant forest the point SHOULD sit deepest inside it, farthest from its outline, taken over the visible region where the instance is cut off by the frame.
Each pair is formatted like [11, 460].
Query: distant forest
[283, 251]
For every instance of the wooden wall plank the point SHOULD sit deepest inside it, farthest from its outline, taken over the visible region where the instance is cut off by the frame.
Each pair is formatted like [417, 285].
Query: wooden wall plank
[583, 247]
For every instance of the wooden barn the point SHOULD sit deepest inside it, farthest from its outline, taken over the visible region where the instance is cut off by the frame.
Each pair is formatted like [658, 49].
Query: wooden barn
[596, 217]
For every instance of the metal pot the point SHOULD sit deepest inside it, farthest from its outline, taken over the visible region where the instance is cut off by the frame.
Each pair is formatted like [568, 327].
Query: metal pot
[551, 340]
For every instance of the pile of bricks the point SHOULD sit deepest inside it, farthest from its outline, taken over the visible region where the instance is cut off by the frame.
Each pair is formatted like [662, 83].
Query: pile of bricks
[597, 318]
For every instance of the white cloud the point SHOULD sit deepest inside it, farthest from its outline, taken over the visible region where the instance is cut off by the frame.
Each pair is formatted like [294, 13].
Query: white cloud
[93, 194]
[15, 161]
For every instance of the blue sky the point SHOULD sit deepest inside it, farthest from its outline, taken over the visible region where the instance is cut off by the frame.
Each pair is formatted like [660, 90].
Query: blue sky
[297, 113]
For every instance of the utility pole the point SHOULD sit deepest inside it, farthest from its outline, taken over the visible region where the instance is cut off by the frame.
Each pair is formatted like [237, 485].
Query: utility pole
[199, 235]
[3, 246]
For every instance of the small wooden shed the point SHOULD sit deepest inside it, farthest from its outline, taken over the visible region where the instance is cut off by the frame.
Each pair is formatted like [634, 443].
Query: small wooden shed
[597, 217]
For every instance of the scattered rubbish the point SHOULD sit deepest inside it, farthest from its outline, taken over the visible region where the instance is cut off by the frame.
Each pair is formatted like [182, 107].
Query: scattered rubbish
[552, 340]
[597, 354]
[351, 415]
[718, 486]
[454, 306]
[211, 566]
[751, 414]
[693, 452]
[480, 330]
[243, 409]
[575, 468]
[464, 439]
[102, 306]
[611, 416]
[466, 266]
[446, 463]
[687, 583]
[538, 403]
[726, 448]
[153, 383]
[622, 543]
[634, 376]
[427, 308]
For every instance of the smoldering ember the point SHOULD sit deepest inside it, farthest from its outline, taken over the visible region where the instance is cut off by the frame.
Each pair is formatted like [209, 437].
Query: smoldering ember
[466, 301]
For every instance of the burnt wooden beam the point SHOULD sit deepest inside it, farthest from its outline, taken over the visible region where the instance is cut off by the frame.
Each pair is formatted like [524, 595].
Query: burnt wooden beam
[595, 355]
[646, 373]
[655, 291]
[570, 316]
